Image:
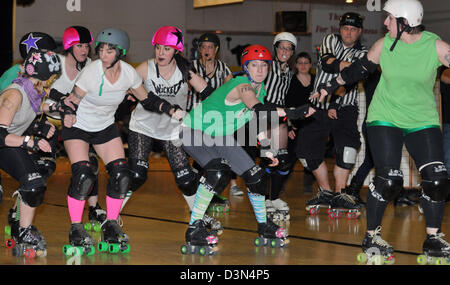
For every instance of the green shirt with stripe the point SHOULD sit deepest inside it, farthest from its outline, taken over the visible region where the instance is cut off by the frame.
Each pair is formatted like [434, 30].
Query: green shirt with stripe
[404, 95]
[217, 117]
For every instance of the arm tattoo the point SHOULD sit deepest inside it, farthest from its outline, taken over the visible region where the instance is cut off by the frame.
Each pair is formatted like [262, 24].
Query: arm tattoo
[245, 89]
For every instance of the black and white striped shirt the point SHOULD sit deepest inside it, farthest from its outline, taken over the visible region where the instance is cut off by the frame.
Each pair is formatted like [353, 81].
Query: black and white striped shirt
[215, 80]
[277, 84]
[332, 44]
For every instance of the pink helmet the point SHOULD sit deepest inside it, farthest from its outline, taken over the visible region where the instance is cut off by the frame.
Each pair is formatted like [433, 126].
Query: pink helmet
[75, 35]
[169, 36]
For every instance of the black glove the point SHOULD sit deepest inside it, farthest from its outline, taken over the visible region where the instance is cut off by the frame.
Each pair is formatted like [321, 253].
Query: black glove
[40, 128]
[35, 147]
[330, 86]
[297, 113]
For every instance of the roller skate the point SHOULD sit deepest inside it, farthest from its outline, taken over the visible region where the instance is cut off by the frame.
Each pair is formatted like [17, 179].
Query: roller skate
[215, 226]
[199, 241]
[13, 217]
[376, 250]
[96, 217]
[344, 203]
[277, 210]
[80, 242]
[354, 190]
[219, 204]
[436, 250]
[321, 200]
[272, 235]
[114, 240]
[29, 242]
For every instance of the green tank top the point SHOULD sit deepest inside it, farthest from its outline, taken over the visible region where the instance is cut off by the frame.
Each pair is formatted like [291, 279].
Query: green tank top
[216, 117]
[404, 95]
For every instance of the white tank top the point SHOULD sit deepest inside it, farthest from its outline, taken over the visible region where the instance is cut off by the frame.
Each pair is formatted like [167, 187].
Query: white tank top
[24, 116]
[63, 84]
[175, 91]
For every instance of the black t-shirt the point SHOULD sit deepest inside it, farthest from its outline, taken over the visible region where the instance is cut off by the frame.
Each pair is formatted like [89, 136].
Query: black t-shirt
[298, 94]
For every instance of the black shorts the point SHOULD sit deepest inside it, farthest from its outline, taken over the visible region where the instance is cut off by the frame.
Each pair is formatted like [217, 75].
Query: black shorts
[314, 135]
[99, 137]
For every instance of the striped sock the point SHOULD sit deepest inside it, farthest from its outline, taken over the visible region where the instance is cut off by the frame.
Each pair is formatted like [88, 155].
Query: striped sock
[201, 203]
[259, 207]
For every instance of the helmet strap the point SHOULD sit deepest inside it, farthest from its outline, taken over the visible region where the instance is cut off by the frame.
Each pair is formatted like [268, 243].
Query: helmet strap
[401, 27]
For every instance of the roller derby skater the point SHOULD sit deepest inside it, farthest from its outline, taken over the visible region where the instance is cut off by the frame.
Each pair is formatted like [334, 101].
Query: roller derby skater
[20, 103]
[389, 130]
[148, 127]
[84, 124]
[223, 155]
[199, 240]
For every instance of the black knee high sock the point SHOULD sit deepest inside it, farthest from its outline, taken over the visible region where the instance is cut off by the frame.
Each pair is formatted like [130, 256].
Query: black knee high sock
[277, 185]
[433, 212]
[374, 211]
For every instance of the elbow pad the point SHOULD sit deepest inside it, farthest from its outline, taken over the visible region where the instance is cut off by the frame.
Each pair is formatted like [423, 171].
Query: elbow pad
[333, 67]
[359, 70]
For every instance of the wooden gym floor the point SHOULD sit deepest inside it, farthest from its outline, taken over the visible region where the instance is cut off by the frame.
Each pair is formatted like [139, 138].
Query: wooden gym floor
[156, 219]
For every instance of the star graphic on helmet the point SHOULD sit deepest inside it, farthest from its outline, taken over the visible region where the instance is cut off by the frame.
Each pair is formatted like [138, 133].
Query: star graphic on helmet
[179, 35]
[30, 42]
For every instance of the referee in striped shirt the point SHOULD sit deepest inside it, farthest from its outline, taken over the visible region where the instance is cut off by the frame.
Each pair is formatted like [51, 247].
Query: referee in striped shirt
[335, 115]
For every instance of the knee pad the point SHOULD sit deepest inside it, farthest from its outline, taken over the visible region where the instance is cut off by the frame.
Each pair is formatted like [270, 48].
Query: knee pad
[346, 157]
[387, 184]
[284, 162]
[256, 180]
[311, 164]
[435, 182]
[187, 180]
[46, 166]
[83, 178]
[32, 189]
[138, 173]
[217, 175]
[119, 178]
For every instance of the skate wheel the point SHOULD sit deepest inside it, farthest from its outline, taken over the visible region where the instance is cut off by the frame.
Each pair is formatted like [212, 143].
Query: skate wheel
[422, 259]
[332, 215]
[329, 211]
[440, 261]
[88, 226]
[30, 253]
[113, 248]
[102, 246]
[275, 243]
[377, 259]
[90, 250]
[203, 250]
[125, 248]
[67, 249]
[258, 242]
[313, 211]
[97, 228]
[362, 257]
[10, 243]
[389, 260]
[184, 249]
[8, 230]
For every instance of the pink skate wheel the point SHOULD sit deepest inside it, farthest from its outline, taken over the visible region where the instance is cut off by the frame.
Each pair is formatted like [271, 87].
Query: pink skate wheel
[30, 253]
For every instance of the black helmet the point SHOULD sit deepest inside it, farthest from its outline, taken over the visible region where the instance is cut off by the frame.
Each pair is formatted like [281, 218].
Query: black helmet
[209, 37]
[351, 19]
[42, 64]
[34, 41]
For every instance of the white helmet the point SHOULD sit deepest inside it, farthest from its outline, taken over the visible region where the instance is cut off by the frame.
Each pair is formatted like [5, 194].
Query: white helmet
[285, 36]
[411, 10]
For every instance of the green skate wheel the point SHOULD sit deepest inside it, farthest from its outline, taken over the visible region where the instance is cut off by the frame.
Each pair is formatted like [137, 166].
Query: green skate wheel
[440, 261]
[126, 249]
[8, 230]
[102, 246]
[88, 226]
[97, 228]
[361, 257]
[275, 243]
[202, 251]
[67, 249]
[113, 248]
[90, 250]
[78, 251]
[258, 242]
[422, 259]
[184, 249]
[377, 259]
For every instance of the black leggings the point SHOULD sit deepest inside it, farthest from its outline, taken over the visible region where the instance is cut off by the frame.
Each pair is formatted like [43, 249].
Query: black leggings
[425, 146]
